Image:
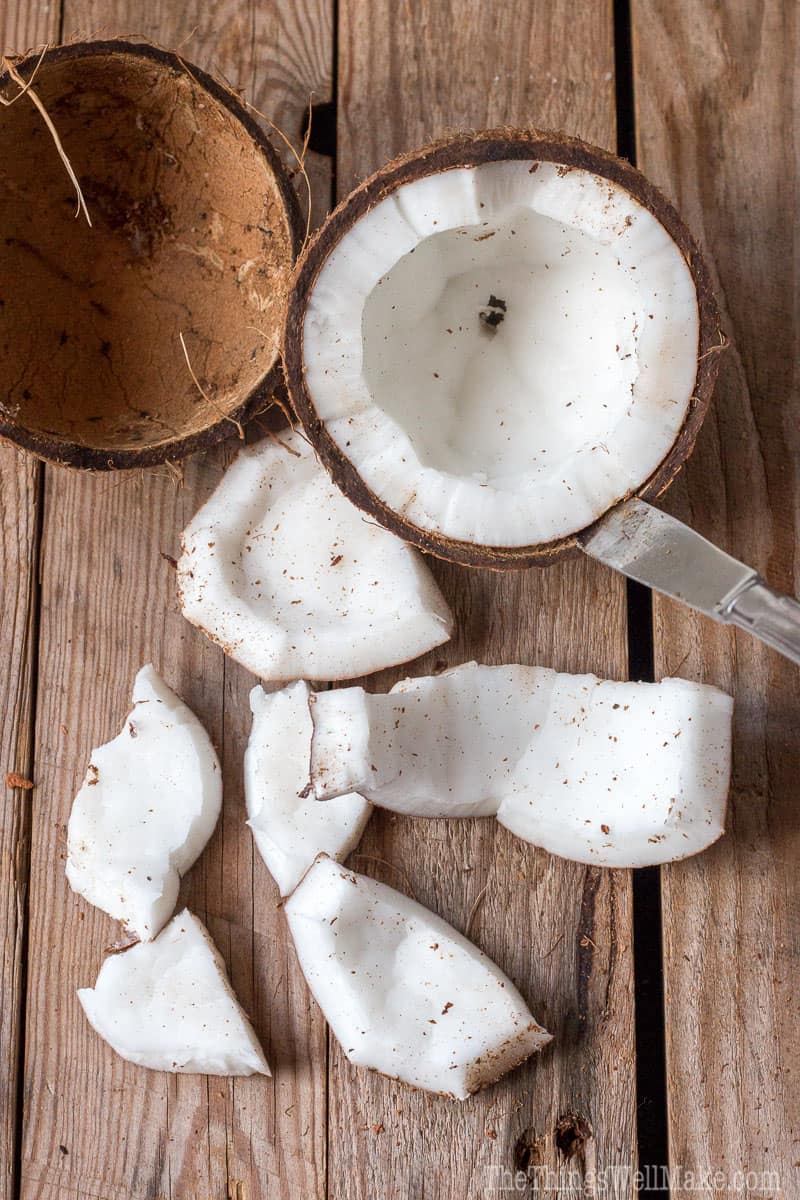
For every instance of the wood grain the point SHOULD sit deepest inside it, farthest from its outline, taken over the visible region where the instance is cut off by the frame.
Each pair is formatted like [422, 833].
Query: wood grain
[21, 482]
[408, 73]
[19, 550]
[715, 100]
[94, 1125]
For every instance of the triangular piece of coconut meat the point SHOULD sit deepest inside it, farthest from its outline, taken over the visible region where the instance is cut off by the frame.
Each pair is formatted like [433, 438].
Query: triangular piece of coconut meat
[168, 1005]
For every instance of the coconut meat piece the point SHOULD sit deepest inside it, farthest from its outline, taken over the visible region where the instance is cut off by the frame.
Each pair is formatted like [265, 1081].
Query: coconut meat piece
[614, 774]
[404, 993]
[294, 582]
[291, 829]
[503, 351]
[147, 807]
[625, 774]
[440, 745]
[168, 1005]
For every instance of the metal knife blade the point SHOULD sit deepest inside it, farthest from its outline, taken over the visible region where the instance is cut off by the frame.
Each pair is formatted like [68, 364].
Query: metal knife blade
[658, 550]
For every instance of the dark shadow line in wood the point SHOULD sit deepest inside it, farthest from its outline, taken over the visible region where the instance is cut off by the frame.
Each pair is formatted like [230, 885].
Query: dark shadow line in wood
[651, 1066]
[26, 820]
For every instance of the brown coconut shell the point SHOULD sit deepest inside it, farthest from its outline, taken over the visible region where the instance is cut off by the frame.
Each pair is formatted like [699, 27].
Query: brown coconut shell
[195, 229]
[466, 150]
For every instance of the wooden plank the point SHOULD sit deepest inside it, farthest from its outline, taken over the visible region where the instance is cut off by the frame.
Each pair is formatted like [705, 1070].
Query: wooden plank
[94, 1125]
[714, 101]
[563, 932]
[19, 501]
[21, 481]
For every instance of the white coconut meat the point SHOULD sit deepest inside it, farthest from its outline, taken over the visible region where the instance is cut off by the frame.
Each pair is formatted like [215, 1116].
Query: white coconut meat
[614, 774]
[168, 1005]
[291, 829]
[404, 993]
[294, 582]
[503, 351]
[146, 809]
[441, 746]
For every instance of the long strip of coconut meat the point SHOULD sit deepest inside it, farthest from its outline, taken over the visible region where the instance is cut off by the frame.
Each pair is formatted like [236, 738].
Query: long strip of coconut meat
[608, 773]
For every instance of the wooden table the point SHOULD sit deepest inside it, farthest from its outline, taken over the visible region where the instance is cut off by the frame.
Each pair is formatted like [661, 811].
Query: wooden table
[703, 94]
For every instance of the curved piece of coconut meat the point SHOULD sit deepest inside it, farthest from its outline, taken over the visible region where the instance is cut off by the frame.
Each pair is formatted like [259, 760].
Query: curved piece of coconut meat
[147, 807]
[404, 993]
[613, 774]
[168, 1005]
[292, 580]
[291, 829]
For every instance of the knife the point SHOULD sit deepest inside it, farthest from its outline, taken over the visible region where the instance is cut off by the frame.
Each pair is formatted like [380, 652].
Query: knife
[656, 549]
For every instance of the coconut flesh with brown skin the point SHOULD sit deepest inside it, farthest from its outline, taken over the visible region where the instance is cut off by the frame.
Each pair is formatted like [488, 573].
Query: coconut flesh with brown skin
[194, 228]
[493, 341]
[404, 993]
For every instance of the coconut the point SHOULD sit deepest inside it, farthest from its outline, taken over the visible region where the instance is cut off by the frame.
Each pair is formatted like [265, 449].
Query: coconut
[493, 340]
[168, 1005]
[612, 774]
[155, 330]
[286, 575]
[404, 993]
[147, 807]
[291, 829]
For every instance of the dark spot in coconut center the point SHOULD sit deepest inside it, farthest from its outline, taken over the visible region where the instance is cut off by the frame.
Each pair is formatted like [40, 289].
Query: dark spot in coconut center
[494, 312]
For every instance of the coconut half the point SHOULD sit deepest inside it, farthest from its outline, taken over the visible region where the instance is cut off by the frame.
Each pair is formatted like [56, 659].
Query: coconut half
[141, 338]
[168, 1005]
[613, 774]
[147, 807]
[492, 341]
[291, 829]
[293, 582]
[404, 993]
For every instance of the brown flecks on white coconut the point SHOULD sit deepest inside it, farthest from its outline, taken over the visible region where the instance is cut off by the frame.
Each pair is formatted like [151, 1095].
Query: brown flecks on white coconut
[561, 254]
[291, 829]
[168, 1005]
[291, 580]
[493, 433]
[147, 807]
[404, 993]
[614, 774]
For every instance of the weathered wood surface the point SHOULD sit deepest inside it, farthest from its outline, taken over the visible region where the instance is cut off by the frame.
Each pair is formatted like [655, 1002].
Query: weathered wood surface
[20, 497]
[407, 72]
[714, 103]
[19, 501]
[95, 1126]
[717, 112]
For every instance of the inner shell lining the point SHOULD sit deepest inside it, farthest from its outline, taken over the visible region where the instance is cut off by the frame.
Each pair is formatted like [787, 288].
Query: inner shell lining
[524, 430]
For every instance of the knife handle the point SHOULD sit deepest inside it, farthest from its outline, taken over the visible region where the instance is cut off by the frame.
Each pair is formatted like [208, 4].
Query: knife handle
[768, 615]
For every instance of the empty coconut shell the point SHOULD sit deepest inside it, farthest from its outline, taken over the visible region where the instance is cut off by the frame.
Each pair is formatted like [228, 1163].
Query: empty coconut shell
[143, 336]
